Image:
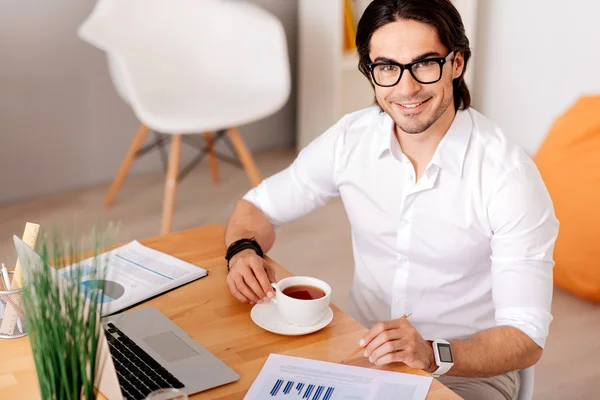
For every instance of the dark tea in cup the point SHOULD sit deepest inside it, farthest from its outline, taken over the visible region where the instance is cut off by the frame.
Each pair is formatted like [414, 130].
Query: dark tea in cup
[304, 292]
[290, 294]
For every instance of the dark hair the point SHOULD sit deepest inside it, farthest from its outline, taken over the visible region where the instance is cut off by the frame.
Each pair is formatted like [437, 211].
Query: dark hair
[440, 14]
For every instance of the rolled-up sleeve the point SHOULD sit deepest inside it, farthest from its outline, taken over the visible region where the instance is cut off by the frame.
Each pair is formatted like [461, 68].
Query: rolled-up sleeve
[308, 183]
[524, 230]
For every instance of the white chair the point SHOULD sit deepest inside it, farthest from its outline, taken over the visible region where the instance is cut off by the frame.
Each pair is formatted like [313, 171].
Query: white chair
[527, 382]
[189, 67]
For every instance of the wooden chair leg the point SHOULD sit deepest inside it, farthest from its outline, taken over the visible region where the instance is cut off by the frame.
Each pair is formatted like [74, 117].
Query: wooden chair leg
[137, 142]
[244, 156]
[171, 184]
[212, 157]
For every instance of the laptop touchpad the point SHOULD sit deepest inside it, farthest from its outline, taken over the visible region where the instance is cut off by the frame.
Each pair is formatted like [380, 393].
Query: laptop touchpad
[170, 347]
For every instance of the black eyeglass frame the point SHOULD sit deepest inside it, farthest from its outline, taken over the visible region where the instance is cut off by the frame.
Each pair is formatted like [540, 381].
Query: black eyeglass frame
[439, 60]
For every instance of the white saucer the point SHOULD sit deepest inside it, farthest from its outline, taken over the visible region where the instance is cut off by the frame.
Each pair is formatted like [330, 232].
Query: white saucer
[267, 316]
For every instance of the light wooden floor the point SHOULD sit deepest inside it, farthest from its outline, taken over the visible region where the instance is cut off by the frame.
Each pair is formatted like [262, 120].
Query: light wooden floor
[318, 245]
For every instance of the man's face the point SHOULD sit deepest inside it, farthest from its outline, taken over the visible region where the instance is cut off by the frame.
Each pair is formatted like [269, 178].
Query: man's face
[412, 105]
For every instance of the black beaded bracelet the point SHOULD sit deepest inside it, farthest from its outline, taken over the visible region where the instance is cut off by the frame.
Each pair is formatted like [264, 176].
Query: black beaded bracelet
[242, 244]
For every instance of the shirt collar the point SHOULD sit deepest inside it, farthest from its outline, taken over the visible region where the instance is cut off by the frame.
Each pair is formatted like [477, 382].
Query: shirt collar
[450, 153]
[385, 140]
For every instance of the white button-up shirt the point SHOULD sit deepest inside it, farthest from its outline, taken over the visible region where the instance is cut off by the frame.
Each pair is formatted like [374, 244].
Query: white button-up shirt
[467, 247]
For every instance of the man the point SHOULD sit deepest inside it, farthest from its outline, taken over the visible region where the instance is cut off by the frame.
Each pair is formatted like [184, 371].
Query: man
[450, 221]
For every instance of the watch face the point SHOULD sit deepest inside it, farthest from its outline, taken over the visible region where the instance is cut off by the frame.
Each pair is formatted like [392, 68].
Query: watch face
[445, 353]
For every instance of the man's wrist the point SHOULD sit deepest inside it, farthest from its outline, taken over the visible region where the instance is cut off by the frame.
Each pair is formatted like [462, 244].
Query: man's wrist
[241, 245]
[239, 254]
[432, 365]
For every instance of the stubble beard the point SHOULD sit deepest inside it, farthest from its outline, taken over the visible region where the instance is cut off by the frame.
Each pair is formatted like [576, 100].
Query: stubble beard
[411, 124]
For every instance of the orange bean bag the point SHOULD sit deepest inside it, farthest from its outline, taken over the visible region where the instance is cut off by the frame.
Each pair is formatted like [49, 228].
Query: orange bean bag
[569, 161]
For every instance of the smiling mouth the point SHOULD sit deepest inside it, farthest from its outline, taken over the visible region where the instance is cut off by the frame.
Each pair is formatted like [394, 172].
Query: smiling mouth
[410, 106]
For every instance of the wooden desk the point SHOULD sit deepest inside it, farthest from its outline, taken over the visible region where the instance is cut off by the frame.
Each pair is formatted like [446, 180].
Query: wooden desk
[210, 315]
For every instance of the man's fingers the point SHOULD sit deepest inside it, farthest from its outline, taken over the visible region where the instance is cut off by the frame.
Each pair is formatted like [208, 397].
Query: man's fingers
[250, 279]
[381, 339]
[263, 279]
[375, 331]
[270, 273]
[241, 285]
[391, 346]
[397, 356]
[253, 284]
[235, 292]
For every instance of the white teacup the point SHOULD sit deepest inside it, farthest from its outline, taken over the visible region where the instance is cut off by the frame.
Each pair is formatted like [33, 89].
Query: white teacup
[301, 312]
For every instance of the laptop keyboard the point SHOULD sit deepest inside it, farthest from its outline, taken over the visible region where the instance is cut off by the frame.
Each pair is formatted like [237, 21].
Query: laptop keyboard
[138, 372]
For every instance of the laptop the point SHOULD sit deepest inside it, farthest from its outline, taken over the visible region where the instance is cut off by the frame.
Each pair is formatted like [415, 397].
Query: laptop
[142, 350]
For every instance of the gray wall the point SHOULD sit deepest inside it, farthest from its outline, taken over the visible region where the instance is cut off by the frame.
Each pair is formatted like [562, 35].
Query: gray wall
[62, 125]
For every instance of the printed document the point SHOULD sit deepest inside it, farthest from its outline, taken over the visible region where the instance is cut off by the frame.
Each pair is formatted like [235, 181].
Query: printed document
[285, 377]
[134, 273]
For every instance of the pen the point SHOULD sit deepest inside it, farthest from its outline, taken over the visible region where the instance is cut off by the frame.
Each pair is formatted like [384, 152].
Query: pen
[7, 287]
[5, 277]
[19, 325]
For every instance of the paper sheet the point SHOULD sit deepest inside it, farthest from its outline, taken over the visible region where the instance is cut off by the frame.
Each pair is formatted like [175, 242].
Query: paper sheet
[284, 377]
[135, 273]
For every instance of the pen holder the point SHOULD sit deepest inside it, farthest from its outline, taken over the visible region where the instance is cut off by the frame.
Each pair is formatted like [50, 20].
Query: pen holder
[12, 315]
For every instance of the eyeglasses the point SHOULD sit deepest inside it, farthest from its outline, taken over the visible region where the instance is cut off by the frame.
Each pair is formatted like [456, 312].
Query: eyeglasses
[388, 73]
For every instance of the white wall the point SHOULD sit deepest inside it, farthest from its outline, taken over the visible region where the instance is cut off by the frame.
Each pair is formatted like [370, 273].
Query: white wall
[468, 10]
[533, 59]
[60, 112]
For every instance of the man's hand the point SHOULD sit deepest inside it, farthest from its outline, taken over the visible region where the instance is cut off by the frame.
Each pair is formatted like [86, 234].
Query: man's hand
[250, 277]
[398, 341]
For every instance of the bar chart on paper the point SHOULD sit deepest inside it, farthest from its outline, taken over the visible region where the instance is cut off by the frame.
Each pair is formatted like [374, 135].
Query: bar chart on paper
[285, 389]
[292, 378]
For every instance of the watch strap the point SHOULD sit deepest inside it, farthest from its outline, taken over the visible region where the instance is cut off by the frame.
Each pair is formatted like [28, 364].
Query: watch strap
[441, 370]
